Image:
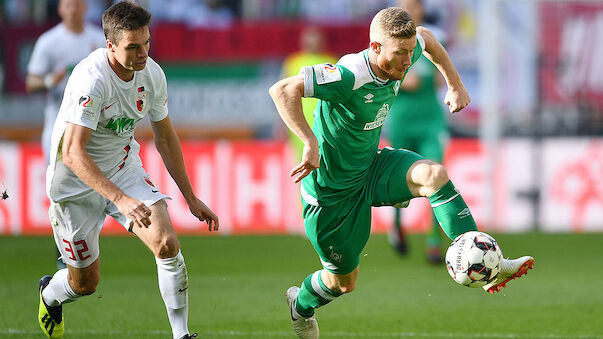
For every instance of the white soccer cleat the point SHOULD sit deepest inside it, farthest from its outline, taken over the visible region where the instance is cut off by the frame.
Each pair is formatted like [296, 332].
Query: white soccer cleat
[509, 270]
[304, 327]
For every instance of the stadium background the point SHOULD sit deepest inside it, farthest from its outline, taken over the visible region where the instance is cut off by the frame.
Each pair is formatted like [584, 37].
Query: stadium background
[527, 154]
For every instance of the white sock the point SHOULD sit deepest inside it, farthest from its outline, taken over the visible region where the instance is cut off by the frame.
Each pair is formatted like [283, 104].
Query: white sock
[173, 285]
[58, 290]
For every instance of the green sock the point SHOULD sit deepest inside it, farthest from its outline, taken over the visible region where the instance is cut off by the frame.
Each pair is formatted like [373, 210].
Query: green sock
[313, 294]
[451, 211]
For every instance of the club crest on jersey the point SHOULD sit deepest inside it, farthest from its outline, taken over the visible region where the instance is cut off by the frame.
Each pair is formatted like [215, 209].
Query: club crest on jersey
[140, 101]
[85, 101]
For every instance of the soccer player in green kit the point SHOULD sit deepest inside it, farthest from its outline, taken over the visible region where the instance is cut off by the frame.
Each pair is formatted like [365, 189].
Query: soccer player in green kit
[417, 123]
[345, 174]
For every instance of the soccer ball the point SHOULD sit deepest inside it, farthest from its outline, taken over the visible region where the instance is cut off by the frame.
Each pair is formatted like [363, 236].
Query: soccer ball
[473, 259]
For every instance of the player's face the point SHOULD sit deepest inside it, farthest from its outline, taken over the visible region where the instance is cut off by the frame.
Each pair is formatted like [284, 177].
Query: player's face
[394, 56]
[72, 11]
[132, 49]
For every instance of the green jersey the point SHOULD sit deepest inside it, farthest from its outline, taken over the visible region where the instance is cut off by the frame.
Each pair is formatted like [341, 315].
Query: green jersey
[353, 104]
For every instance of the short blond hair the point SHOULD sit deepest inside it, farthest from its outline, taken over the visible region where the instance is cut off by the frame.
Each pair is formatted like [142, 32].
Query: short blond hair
[392, 22]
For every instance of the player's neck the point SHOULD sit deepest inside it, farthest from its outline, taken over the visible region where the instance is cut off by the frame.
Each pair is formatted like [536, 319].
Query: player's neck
[121, 72]
[74, 27]
[373, 65]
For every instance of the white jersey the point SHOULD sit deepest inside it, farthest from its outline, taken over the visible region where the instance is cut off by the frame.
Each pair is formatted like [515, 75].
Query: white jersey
[96, 98]
[60, 48]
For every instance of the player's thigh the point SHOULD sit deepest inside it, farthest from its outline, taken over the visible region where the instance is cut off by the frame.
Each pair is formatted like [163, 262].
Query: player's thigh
[76, 226]
[339, 232]
[134, 182]
[387, 182]
[160, 236]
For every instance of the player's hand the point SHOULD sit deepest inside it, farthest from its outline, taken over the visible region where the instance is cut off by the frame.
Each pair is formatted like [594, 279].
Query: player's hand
[310, 161]
[203, 213]
[135, 210]
[457, 99]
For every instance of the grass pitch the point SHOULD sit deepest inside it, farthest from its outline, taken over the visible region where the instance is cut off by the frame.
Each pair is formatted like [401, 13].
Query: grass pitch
[237, 287]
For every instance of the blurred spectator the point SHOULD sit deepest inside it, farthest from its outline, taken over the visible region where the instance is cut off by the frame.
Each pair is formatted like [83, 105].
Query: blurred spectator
[417, 122]
[311, 52]
[55, 54]
[196, 13]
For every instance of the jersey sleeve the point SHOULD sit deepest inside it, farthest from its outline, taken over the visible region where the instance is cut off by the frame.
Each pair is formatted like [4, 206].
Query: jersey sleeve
[85, 98]
[39, 63]
[159, 108]
[328, 82]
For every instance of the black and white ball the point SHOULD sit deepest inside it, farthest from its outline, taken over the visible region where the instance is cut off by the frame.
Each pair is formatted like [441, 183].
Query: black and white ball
[474, 259]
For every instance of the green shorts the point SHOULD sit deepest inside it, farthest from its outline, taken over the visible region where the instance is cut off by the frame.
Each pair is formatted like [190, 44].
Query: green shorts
[339, 232]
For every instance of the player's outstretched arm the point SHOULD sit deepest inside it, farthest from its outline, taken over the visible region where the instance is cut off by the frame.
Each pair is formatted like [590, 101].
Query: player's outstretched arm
[457, 96]
[287, 95]
[169, 148]
[79, 161]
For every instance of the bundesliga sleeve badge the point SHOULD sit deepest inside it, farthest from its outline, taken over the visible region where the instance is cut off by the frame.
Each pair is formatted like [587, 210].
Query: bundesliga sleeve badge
[326, 73]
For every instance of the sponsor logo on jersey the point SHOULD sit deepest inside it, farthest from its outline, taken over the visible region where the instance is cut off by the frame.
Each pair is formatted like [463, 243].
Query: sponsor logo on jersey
[85, 101]
[121, 125]
[379, 119]
[107, 107]
[140, 101]
[369, 98]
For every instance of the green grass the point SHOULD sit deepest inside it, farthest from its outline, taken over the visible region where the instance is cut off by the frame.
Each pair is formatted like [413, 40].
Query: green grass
[237, 287]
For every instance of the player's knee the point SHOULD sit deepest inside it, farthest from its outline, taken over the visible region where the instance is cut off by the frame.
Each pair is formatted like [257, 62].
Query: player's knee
[167, 247]
[430, 176]
[346, 287]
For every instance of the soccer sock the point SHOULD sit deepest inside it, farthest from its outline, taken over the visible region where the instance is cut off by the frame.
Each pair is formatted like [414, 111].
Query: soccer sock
[58, 290]
[451, 211]
[313, 294]
[173, 285]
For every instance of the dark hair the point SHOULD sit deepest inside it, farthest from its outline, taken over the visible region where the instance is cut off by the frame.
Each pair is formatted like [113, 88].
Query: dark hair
[124, 16]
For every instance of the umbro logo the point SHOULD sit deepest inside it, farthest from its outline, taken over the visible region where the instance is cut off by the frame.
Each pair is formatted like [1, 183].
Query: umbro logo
[369, 98]
[464, 213]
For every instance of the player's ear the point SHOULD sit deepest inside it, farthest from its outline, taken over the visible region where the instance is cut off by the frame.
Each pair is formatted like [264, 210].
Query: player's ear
[110, 46]
[375, 46]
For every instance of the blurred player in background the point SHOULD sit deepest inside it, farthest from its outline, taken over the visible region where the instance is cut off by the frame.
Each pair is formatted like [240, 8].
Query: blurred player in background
[344, 174]
[95, 170]
[55, 54]
[417, 123]
[312, 52]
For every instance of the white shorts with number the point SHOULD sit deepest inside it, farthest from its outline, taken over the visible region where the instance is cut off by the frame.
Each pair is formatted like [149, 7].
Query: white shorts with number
[77, 222]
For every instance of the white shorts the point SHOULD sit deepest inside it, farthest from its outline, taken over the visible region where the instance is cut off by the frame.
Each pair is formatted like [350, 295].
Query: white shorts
[77, 222]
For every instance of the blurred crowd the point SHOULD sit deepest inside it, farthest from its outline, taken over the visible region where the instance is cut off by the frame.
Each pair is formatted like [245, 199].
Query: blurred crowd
[200, 13]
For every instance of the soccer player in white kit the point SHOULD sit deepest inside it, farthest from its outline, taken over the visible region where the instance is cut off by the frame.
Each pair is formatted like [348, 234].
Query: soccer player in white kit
[95, 170]
[55, 54]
